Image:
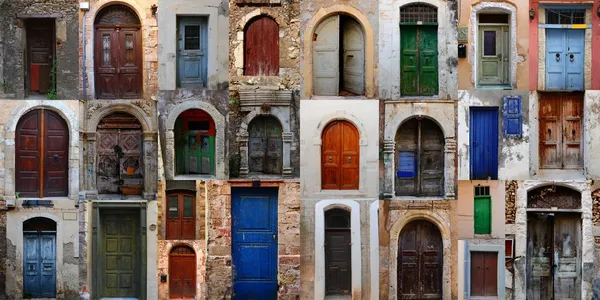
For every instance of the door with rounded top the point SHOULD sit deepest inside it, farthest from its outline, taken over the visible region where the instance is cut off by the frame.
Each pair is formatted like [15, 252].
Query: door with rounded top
[261, 47]
[182, 273]
[339, 156]
[265, 146]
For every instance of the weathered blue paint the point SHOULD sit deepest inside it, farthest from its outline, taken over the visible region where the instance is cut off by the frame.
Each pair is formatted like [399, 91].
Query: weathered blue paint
[192, 54]
[407, 165]
[254, 243]
[39, 265]
[512, 117]
[564, 59]
[484, 142]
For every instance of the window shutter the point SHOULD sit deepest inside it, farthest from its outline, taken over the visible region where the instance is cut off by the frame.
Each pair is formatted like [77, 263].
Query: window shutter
[407, 164]
[513, 117]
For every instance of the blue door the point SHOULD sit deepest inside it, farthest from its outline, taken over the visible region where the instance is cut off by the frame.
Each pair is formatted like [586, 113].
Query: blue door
[254, 243]
[192, 54]
[39, 266]
[484, 142]
[564, 59]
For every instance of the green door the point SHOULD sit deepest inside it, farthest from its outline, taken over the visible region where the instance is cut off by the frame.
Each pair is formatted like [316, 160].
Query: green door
[483, 215]
[119, 254]
[199, 153]
[493, 55]
[419, 60]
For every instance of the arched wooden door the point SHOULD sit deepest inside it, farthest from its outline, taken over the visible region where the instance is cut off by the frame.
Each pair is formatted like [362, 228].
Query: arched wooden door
[182, 273]
[41, 158]
[265, 145]
[420, 159]
[39, 258]
[420, 252]
[340, 156]
[261, 48]
[118, 53]
[338, 259]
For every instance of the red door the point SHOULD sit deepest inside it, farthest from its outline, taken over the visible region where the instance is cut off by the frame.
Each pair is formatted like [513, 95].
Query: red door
[340, 154]
[182, 273]
[484, 273]
[181, 213]
[261, 48]
[40, 49]
[41, 165]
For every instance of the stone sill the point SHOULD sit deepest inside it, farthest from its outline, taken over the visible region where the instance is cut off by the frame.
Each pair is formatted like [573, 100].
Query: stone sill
[494, 87]
[559, 174]
[419, 100]
[314, 97]
[195, 177]
[415, 198]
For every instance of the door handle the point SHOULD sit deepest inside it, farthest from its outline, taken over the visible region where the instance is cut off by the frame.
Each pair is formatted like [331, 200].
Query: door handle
[500, 55]
[330, 159]
[349, 159]
[350, 55]
[274, 236]
[557, 56]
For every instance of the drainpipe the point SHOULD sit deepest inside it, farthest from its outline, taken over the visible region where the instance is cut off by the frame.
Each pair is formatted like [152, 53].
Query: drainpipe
[84, 6]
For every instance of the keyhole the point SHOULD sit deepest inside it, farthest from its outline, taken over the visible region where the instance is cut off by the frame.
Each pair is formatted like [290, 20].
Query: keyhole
[573, 132]
[330, 159]
[549, 132]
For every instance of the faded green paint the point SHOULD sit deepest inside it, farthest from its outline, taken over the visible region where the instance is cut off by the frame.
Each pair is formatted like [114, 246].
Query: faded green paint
[195, 151]
[492, 57]
[419, 60]
[482, 216]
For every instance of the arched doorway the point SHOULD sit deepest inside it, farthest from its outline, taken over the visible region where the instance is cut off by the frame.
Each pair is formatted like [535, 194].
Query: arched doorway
[553, 243]
[261, 47]
[420, 252]
[39, 258]
[338, 260]
[120, 164]
[195, 143]
[420, 158]
[118, 53]
[339, 57]
[182, 273]
[340, 156]
[265, 145]
[41, 155]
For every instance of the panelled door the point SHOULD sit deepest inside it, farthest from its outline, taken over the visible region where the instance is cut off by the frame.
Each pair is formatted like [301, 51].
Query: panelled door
[483, 142]
[199, 152]
[39, 269]
[119, 158]
[261, 48]
[420, 261]
[339, 156]
[182, 273]
[192, 52]
[326, 57]
[181, 216]
[40, 51]
[265, 146]
[484, 274]
[493, 54]
[338, 259]
[419, 60]
[41, 143]
[564, 59]
[254, 243]
[554, 256]
[353, 60]
[560, 118]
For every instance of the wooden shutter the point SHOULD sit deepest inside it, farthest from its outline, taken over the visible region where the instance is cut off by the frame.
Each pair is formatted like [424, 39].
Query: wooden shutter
[261, 48]
[482, 217]
[513, 117]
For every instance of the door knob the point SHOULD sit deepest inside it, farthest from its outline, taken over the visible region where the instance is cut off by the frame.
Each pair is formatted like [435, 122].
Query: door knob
[330, 159]
[499, 55]
[349, 159]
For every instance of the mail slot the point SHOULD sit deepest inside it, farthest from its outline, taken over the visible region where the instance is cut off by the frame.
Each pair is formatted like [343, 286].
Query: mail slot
[462, 51]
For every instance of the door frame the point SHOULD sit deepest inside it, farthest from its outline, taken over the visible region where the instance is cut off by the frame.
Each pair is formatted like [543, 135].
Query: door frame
[473, 247]
[98, 208]
[27, 77]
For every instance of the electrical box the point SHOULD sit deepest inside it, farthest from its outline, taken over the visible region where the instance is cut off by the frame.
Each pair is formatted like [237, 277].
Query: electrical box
[163, 277]
[462, 51]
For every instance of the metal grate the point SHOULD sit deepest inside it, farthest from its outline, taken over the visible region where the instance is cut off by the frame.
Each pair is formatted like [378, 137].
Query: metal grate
[418, 12]
[482, 191]
[565, 16]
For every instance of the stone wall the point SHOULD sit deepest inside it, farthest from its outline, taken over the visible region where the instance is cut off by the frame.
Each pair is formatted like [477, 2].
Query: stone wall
[511, 197]
[596, 207]
[2, 248]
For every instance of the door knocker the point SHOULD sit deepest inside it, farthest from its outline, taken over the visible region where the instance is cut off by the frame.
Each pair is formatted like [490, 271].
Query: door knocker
[349, 159]
[330, 159]
[572, 57]
[55, 157]
[557, 56]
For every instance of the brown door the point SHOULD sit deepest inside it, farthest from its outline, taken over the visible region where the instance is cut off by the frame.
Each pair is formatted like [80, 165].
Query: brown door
[40, 50]
[560, 130]
[265, 146]
[41, 144]
[340, 155]
[261, 48]
[182, 273]
[338, 260]
[181, 213]
[484, 273]
[420, 262]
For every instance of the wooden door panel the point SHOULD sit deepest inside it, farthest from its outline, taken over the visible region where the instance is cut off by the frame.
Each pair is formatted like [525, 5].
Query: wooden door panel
[326, 47]
[567, 248]
[491, 55]
[407, 147]
[483, 143]
[330, 159]
[129, 59]
[338, 262]
[40, 48]
[409, 60]
[106, 63]
[428, 60]
[56, 156]
[182, 274]
[431, 161]
[574, 58]
[539, 256]
[572, 114]
[561, 131]
[340, 156]
[353, 60]
[120, 257]
[108, 162]
[491, 274]
[28, 145]
[555, 59]
[262, 48]
[265, 146]
[349, 157]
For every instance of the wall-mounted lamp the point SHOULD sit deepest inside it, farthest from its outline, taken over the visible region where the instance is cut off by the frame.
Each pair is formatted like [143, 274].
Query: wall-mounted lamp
[154, 8]
[531, 14]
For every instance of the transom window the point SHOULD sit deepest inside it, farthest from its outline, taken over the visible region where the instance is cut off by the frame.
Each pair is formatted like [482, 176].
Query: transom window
[565, 16]
[418, 13]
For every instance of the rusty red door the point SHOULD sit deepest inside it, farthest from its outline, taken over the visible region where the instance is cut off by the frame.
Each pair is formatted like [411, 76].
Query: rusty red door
[182, 273]
[484, 274]
[420, 261]
[339, 156]
[40, 51]
[261, 48]
[561, 116]
[41, 144]
[181, 214]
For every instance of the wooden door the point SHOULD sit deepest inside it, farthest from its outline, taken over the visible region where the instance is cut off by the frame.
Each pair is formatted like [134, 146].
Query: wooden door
[41, 144]
[39, 265]
[340, 156]
[182, 273]
[493, 54]
[254, 231]
[181, 216]
[567, 250]
[265, 146]
[261, 48]
[326, 60]
[482, 214]
[192, 52]
[119, 254]
[419, 60]
[338, 259]
[564, 59]
[420, 261]
[353, 59]
[484, 274]
[561, 130]
[40, 52]
[483, 141]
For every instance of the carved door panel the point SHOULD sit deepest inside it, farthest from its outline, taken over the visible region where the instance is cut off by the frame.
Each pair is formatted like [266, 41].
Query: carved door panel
[265, 146]
[40, 48]
[119, 159]
[340, 155]
[108, 181]
[561, 131]
[261, 43]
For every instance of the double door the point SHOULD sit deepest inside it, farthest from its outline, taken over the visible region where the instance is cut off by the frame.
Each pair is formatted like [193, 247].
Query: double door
[419, 60]
[39, 269]
[564, 59]
[339, 156]
[561, 116]
[119, 160]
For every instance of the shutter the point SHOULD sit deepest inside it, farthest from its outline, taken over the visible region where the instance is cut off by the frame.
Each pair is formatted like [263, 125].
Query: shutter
[513, 117]
[482, 215]
[407, 165]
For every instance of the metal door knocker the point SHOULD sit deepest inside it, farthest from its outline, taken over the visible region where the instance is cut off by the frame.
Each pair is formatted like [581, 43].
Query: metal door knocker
[557, 56]
[330, 159]
[572, 57]
[55, 157]
[349, 159]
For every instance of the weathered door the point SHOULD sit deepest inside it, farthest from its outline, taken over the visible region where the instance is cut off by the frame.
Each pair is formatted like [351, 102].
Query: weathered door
[338, 260]
[353, 60]
[181, 214]
[39, 269]
[339, 156]
[119, 254]
[118, 53]
[484, 274]
[254, 243]
[419, 60]
[420, 261]
[40, 51]
[41, 144]
[195, 143]
[182, 273]
[561, 130]
[484, 142]
[265, 146]
[493, 55]
[192, 52]
[326, 57]
[261, 48]
[420, 168]
[564, 59]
